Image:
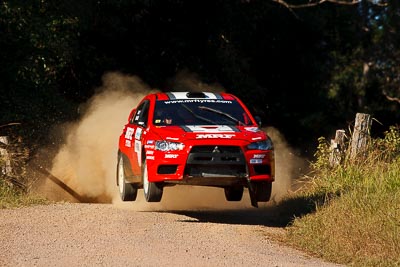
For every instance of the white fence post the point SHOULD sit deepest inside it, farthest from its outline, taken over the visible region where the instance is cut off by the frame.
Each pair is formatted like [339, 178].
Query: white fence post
[5, 156]
[337, 148]
[360, 134]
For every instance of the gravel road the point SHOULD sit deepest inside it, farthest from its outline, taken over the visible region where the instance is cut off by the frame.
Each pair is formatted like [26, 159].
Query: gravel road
[73, 234]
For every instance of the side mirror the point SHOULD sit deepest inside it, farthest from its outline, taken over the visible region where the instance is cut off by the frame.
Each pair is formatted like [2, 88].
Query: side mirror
[258, 120]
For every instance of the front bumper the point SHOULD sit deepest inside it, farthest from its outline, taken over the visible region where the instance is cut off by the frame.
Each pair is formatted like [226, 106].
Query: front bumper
[211, 165]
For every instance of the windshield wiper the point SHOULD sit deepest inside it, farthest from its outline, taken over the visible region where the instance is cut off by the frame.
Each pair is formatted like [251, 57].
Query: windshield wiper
[223, 114]
[197, 116]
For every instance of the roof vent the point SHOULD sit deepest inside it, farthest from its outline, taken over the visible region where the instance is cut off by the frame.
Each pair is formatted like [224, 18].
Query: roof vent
[196, 95]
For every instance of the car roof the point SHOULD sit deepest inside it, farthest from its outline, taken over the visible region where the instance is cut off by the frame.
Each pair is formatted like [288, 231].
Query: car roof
[193, 95]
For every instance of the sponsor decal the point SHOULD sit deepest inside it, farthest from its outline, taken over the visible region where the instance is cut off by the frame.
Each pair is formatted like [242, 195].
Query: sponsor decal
[258, 156]
[171, 156]
[150, 142]
[225, 136]
[255, 161]
[138, 150]
[138, 133]
[201, 101]
[129, 133]
[210, 129]
[149, 152]
[137, 146]
[150, 157]
[252, 129]
[149, 146]
[128, 143]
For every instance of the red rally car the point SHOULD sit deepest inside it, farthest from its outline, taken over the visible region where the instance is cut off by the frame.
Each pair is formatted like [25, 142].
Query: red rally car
[194, 138]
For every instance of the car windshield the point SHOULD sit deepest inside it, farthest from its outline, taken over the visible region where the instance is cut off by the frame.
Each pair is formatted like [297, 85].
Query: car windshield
[200, 112]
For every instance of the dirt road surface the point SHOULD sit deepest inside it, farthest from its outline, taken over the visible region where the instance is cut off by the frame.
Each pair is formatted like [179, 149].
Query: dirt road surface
[73, 234]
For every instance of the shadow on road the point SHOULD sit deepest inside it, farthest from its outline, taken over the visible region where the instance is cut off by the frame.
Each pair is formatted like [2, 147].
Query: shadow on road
[264, 216]
[278, 215]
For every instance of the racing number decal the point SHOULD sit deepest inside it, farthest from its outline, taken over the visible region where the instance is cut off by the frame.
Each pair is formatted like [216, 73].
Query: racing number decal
[137, 144]
[129, 133]
[128, 136]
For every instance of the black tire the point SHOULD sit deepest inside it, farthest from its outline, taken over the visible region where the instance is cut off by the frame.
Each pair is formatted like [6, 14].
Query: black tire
[152, 191]
[262, 191]
[234, 193]
[127, 191]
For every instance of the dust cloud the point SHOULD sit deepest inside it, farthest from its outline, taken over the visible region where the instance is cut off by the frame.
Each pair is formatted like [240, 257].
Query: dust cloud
[289, 167]
[86, 162]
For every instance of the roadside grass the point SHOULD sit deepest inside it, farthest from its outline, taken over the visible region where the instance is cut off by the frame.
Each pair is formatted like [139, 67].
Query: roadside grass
[12, 197]
[15, 184]
[355, 219]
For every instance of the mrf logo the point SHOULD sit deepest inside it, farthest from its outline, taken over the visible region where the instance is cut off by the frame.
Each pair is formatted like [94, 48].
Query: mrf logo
[226, 136]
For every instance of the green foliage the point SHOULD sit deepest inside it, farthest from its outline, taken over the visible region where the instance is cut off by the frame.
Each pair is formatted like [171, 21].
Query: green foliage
[293, 70]
[390, 144]
[37, 44]
[385, 56]
[11, 196]
[357, 222]
[322, 154]
[45, 39]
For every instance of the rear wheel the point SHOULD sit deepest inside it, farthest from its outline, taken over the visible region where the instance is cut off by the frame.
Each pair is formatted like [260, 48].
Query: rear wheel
[152, 191]
[127, 191]
[233, 193]
[262, 191]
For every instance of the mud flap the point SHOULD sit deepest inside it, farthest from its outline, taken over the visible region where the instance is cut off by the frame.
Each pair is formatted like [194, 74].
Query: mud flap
[252, 194]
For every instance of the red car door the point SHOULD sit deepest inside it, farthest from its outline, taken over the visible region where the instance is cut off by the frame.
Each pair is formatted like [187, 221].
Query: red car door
[131, 139]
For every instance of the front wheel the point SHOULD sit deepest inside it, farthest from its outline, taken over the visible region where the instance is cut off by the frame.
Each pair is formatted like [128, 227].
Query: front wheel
[126, 190]
[233, 193]
[262, 191]
[152, 191]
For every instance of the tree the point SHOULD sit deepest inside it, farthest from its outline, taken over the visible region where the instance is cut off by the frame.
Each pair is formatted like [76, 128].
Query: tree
[37, 43]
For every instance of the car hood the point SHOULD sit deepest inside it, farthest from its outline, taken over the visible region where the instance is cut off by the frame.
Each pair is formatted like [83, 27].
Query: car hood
[190, 132]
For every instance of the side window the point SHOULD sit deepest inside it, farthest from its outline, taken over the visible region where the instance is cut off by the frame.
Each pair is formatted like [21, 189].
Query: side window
[142, 114]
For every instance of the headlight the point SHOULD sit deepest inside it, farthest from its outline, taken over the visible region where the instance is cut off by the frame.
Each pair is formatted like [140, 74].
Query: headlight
[168, 146]
[261, 145]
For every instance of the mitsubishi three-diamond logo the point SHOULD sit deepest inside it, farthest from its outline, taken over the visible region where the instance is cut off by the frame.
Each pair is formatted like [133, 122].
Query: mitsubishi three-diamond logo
[216, 150]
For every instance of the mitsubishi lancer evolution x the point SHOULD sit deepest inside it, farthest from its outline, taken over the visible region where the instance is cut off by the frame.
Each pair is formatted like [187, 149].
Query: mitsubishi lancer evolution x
[194, 138]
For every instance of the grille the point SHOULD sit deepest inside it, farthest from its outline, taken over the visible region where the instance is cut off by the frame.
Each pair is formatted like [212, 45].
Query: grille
[216, 161]
[210, 149]
[216, 155]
